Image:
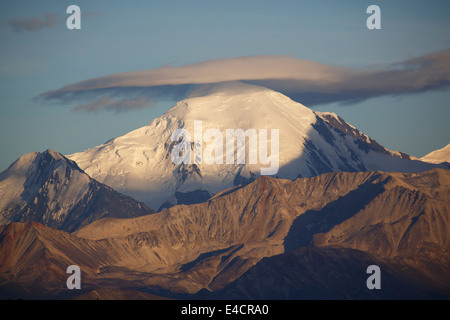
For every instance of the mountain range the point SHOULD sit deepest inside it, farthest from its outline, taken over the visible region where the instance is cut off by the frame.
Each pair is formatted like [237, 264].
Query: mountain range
[338, 203]
[270, 238]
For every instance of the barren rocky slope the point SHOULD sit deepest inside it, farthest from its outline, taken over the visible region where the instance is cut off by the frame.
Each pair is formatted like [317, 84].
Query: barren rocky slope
[203, 248]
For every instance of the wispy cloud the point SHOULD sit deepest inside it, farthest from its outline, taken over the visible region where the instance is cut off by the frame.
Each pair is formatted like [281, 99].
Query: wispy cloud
[32, 23]
[311, 83]
[49, 20]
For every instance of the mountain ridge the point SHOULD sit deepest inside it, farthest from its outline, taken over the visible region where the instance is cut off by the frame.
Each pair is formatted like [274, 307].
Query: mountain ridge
[50, 188]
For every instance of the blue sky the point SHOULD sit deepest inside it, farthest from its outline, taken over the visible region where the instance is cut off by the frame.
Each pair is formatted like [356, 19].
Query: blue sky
[125, 36]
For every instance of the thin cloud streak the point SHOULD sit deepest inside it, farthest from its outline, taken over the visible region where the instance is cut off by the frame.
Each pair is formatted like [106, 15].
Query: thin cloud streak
[32, 23]
[308, 82]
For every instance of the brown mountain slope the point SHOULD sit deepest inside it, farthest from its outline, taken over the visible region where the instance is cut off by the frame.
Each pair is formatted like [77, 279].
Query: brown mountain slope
[209, 245]
[404, 230]
[413, 212]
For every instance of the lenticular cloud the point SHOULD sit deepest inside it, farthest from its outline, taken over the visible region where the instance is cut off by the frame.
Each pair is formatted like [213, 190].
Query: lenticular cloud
[309, 82]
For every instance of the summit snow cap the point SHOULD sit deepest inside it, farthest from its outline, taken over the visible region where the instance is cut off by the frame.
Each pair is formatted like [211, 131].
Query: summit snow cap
[213, 151]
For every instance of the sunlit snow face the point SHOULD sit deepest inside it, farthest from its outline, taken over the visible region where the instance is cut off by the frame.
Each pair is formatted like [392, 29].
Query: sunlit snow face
[213, 151]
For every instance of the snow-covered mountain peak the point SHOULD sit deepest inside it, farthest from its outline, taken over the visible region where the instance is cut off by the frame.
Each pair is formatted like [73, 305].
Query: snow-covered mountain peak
[139, 163]
[238, 105]
[438, 156]
[50, 188]
[47, 183]
[33, 161]
[230, 88]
